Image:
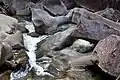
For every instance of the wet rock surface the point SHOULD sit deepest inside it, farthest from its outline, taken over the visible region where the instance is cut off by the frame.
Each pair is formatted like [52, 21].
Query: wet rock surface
[59, 39]
[11, 40]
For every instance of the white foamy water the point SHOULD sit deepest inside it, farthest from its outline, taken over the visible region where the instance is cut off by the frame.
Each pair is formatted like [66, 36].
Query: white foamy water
[30, 44]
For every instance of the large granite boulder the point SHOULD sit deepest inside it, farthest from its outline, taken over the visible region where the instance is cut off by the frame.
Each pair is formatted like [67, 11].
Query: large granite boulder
[57, 41]
[93, 27]
[108, 52]
[45, 23]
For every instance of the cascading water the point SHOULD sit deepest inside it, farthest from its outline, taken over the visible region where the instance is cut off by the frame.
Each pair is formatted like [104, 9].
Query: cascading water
[30, 44]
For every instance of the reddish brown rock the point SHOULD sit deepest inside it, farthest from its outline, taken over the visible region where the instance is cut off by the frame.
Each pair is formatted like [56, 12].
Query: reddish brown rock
[108, 51]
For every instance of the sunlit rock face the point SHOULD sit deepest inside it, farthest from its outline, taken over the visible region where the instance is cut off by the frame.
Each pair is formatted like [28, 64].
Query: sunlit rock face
[93, 26]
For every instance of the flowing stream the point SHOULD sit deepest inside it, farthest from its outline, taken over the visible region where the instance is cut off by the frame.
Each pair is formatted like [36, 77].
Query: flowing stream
[38, 69]
[30, 44]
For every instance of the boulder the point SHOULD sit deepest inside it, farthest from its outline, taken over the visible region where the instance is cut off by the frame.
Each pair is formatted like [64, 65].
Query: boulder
[46, 24]
[110, 13]
[55, 7]
[94, 27]
[95, 5]
[5, 52]
[70, 4]
[19, 5]
[21, 27]
[15, 40]
[57, 41]
[82, 46]
[6, 24]
[107, 52]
